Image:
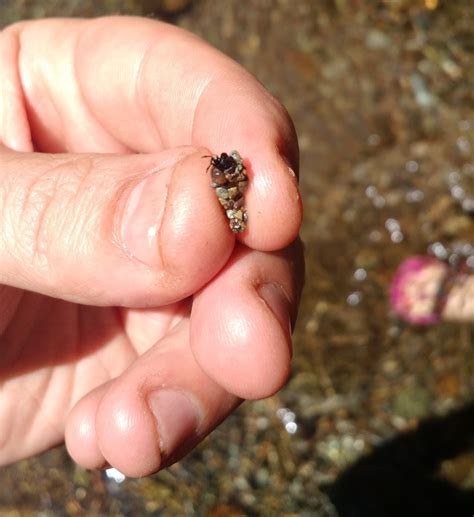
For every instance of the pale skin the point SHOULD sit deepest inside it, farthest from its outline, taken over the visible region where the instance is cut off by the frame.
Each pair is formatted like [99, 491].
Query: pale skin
[120, 308]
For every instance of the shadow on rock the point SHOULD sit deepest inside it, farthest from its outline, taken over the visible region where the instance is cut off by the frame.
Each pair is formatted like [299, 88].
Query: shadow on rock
[401, 476]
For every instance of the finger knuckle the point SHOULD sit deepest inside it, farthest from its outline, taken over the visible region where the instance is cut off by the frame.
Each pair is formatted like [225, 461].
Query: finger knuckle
[49, 210]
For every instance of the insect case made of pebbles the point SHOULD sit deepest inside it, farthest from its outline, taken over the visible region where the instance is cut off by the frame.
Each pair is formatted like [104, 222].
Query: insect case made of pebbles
[229, 179]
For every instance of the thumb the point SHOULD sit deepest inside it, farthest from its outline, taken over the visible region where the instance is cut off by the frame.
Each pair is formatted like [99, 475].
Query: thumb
[132, 230]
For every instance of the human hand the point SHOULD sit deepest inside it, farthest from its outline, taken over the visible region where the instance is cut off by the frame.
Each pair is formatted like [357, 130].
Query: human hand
[130, 323]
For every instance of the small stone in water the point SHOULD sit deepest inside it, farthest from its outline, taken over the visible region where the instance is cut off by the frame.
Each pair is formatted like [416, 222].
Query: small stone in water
[360, 274]
[396, 236]
[412, 166]
[354, 299]
[468, 205]
[414, 196]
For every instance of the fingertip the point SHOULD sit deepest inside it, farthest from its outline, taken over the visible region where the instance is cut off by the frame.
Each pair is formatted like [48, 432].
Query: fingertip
[274, 205]
[248, 353]
[239, 334]
[195, 223]
[266, 140]
[80, 432]
[159, 408]
[126, 432]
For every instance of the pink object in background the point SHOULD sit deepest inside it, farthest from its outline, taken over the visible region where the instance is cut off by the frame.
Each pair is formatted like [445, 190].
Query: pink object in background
[425, 290]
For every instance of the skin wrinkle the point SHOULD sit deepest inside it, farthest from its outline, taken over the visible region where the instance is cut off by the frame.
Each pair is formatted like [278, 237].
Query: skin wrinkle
[168, 316]
[6, 92]
[163, 221]
[200, 96]
[10, 195]
[198, 92]
[78, 187]
[35, 188]
[103, 364]
[118, 312]
[27, 206]
[83, 98]
[211, 80]
[40, 415]
[17, 90]
[159, 233]
[40, 250]
[67, 394]
[201, 99]
[46, 381]
[141, 98]
[258, 283]
[39, 257]
[85, 190]
[260, 278]
[39, 79]
[6, 438]
[82, 35]
[46, 89]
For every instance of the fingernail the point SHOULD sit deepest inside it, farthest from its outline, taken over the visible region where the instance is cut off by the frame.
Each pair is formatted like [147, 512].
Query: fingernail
[143, 215]
[277, 300]
[177, 417]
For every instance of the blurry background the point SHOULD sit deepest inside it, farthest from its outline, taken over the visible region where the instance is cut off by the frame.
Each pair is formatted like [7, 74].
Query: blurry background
[382, 95]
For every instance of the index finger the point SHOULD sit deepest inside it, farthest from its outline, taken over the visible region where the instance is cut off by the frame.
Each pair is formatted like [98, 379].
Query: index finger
[124, 84]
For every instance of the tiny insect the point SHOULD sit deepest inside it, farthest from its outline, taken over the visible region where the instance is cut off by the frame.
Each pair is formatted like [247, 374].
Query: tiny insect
[229, 179]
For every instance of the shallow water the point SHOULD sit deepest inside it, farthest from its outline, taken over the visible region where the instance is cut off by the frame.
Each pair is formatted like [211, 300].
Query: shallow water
[382, 99]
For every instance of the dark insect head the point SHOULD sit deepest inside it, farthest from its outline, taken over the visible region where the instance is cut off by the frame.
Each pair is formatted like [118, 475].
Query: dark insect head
[223, 162]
